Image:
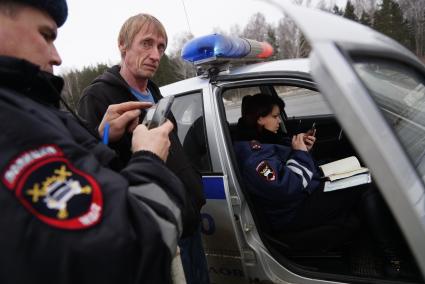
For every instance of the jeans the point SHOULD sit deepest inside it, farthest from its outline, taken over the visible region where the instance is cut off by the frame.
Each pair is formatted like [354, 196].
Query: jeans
[193, 259]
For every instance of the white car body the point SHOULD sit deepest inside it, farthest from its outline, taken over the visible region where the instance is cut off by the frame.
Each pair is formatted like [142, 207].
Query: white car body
[338, 68]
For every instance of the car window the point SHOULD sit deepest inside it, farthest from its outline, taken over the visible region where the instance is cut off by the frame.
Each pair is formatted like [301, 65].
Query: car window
[189, 114]
[232, 100]
[298, 101]
[399, 92]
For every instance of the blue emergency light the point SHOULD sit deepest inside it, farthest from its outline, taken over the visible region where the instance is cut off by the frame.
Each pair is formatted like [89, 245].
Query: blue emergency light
[212, 47]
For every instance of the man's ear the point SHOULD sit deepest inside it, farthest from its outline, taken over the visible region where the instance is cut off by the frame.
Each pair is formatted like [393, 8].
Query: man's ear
[122, 49]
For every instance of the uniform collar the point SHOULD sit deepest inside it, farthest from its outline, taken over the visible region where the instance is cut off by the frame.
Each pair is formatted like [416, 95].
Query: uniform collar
[27, 79]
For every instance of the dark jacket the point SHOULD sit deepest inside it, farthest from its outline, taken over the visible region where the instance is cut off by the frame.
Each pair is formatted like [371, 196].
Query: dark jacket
[111, 88]
[278, 177]
[66, 216]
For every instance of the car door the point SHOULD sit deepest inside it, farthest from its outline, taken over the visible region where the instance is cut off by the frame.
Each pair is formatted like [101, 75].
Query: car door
[376, 89]
[193, 110]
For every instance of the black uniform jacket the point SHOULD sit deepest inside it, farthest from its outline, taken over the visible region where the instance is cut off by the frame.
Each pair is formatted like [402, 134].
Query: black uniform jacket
[111, 88]
[66, 216]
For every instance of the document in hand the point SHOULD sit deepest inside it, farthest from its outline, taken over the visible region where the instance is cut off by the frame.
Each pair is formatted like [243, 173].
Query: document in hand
[345, 173]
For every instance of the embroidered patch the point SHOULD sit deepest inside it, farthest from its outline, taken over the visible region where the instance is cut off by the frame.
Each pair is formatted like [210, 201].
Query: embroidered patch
[264, 170]
[18, 165]
[53, 190]
[255, 145]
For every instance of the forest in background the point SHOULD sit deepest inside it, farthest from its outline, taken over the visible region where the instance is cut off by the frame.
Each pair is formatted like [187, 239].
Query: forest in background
[402, 20]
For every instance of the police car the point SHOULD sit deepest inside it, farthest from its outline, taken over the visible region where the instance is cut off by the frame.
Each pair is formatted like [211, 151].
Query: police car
[366, 95]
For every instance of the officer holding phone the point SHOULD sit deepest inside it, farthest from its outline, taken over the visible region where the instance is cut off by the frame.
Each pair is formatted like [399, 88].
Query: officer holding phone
[310, 137]
[161, 112]
[69, 212]
[286, 186]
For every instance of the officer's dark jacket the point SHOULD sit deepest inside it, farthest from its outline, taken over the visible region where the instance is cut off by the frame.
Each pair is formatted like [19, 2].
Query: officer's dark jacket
[278, 177]
[110, 88]
[66, 217]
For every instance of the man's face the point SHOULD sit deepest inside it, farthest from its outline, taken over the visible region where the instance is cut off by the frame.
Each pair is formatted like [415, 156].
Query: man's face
[29, 35]
[143, 56]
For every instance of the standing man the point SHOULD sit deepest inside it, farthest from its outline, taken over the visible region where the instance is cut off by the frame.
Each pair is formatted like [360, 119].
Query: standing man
[142, 42]
[67, 214]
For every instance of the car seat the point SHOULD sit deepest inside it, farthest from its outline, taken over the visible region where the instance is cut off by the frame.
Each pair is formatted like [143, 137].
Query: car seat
[320, 241]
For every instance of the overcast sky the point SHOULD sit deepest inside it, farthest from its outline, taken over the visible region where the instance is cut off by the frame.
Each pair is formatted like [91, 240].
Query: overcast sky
[89, 35]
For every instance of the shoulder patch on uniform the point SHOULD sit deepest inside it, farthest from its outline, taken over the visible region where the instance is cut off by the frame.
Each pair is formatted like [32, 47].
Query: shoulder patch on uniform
[57, 193]
[266, 171]
[255, 145]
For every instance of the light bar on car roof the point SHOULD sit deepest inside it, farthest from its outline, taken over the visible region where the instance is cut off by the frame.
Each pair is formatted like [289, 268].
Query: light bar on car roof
[215, 47]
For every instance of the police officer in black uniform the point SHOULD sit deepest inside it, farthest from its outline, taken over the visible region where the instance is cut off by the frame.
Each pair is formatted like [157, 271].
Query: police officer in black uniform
[69, 212]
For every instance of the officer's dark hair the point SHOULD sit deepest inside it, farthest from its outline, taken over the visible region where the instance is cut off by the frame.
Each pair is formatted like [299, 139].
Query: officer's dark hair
[258, 105]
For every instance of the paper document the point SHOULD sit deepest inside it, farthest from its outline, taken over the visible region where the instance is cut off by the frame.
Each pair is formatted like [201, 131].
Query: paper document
[343, 168]
[348, 182]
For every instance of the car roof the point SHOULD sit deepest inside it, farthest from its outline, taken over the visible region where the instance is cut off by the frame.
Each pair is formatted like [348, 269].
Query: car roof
[289, 65]
[286, 65]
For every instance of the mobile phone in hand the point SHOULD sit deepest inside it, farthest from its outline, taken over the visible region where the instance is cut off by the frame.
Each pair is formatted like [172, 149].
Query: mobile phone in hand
[162, 109]
[312, 130]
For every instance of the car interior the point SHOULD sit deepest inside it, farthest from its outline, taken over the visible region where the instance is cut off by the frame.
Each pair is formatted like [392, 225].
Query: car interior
[326, 252]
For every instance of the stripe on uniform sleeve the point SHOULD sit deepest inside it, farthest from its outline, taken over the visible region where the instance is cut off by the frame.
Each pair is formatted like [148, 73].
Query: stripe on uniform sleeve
[170, 231]
[300, 173]
[307, 171]
[300, 170]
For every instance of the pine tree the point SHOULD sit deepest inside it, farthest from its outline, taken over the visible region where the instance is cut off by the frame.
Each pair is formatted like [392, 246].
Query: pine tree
[272, 39]
[349, 12]
[166, 73]
[337, 11]
[390, 21]
[365, 19]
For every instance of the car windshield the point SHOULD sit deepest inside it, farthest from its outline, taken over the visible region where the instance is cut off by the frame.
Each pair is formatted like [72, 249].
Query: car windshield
[399, 92]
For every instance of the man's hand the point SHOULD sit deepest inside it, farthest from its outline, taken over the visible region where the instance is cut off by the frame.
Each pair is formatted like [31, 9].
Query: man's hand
[298, 142]
[154, 140]
[121, 118]
[309, 141]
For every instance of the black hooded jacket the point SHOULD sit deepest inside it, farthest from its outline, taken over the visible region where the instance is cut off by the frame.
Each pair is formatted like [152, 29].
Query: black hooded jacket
[66, 215]
[110, 88]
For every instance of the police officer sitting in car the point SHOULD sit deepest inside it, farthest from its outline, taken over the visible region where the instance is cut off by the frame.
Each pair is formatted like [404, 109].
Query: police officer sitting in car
[284, 181]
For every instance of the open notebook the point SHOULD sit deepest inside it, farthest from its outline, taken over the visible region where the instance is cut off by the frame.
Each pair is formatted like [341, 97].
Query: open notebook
[345, 173]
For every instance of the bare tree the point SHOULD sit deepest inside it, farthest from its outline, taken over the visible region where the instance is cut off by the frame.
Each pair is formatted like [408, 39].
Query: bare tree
[70, 92]
[183, 68]
[368, 6]
[306, 3]
[414, 12]
[235, 30]
[76, 80]
[256, 28]
[291, 41]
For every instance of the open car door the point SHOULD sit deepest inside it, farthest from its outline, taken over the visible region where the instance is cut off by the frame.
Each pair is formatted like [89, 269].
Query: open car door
[376, 89]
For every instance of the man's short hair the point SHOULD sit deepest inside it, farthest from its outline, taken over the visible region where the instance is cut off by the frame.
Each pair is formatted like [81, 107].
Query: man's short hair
[57, 9]
[134, 24]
